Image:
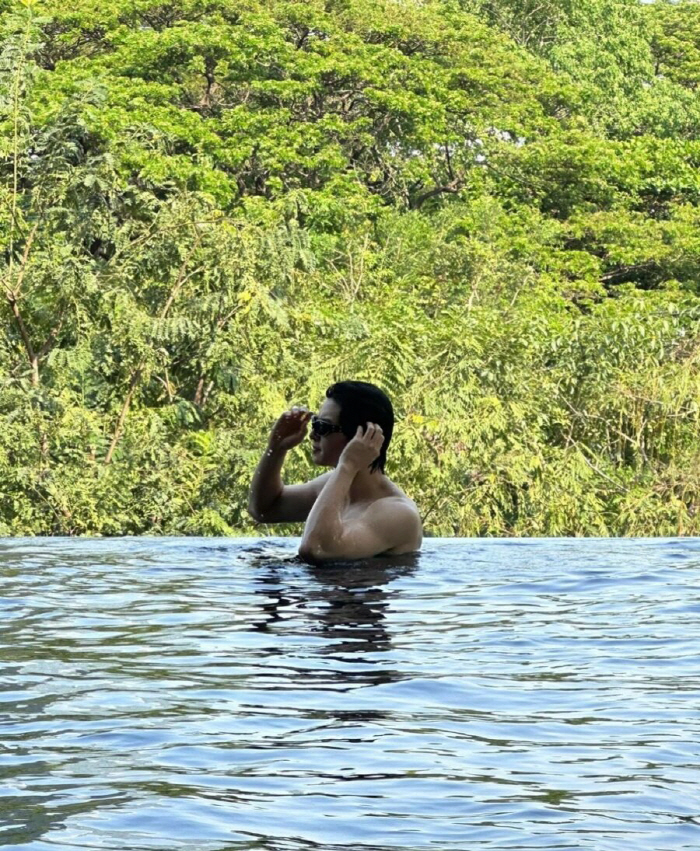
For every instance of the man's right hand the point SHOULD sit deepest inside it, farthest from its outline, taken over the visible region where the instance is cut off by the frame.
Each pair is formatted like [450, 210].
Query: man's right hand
[290, 429]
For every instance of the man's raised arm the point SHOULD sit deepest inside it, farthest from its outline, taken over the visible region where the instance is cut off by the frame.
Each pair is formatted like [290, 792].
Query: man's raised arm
[267, 487]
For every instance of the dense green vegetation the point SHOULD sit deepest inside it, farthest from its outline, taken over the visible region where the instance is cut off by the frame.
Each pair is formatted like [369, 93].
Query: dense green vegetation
[213, 209]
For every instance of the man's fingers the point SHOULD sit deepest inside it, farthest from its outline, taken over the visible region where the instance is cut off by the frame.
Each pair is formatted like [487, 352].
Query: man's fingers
[297, 410]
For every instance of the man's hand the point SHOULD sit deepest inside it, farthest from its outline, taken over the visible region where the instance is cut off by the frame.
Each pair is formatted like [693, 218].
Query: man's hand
[363, 449]
[290, 428]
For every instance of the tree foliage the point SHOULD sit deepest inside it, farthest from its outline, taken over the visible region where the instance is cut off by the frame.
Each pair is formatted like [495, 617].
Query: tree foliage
[212, 209]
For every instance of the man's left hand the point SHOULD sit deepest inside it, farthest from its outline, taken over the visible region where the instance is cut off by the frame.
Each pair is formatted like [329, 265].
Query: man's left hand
[363, 449]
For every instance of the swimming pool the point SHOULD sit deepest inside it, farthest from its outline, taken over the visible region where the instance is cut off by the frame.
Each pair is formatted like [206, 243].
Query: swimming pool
[208, 694]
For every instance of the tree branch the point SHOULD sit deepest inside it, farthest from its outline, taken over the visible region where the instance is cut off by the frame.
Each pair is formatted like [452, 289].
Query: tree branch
[138, 372]
[12, 297]
[453, 187]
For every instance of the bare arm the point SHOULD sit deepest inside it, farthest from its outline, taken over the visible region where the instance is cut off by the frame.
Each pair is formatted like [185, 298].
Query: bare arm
[270, 500]
[291, 503]
[388, 523]
[267, 486]
[324, 526]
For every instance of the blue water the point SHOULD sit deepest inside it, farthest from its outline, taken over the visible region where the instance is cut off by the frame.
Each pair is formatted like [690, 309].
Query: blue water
[213, 694]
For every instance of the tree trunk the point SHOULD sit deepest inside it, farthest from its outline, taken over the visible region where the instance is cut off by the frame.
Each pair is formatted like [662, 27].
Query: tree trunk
[122, 415]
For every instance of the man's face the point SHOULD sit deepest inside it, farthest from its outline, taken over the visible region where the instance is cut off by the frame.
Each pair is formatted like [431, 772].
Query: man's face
[326, 450]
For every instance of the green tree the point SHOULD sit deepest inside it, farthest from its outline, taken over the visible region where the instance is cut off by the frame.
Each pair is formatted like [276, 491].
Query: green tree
[213, 210]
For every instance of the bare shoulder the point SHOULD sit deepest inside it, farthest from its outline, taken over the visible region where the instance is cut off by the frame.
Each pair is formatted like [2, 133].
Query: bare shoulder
[403, 499]
[400, 512]
[400, 507]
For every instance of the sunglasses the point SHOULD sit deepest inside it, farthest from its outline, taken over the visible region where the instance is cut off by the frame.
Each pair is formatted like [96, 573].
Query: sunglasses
[321, 427]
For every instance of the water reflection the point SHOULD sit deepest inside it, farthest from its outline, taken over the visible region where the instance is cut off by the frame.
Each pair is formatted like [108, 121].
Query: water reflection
[186, 695]
[347, 605]
[354, 617]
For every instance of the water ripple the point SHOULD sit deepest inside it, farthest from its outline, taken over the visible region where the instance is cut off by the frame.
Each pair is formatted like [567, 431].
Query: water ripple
[215, 695]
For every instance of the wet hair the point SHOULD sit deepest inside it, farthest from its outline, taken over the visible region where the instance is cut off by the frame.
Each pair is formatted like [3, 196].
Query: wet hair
[361, 403]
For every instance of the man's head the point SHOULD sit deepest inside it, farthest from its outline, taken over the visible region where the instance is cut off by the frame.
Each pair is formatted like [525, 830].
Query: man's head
[349, 404]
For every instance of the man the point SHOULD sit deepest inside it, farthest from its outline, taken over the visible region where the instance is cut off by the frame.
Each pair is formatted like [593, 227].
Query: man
[353, 511]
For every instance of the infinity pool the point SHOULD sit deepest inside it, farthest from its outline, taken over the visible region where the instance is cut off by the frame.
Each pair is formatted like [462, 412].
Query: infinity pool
[211, 694]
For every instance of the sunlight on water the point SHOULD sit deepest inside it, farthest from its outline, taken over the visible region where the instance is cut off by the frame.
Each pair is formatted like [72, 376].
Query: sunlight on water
[219, 694]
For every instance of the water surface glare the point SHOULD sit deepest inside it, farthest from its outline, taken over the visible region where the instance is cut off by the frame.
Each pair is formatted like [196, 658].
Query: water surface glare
[217, 694]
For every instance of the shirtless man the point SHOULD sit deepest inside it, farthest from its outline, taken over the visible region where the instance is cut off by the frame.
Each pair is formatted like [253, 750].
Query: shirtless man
[353, 511]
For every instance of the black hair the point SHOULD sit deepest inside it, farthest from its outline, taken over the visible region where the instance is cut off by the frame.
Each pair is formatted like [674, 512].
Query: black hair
[360, 403]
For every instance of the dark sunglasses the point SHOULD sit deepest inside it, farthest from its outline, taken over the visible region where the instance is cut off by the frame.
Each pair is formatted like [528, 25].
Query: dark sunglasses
[321, 427]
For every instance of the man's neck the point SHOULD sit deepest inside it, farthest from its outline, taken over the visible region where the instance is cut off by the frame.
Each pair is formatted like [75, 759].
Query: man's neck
[367, 486]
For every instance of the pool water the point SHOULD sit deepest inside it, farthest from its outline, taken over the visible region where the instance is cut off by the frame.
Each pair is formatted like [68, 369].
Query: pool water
[208, 694]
